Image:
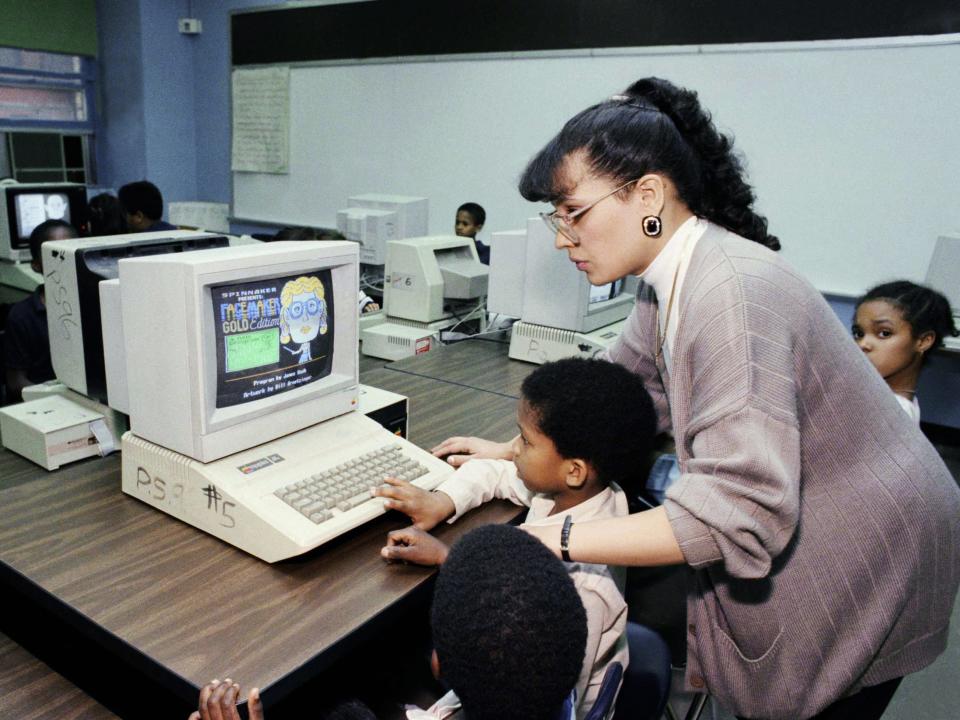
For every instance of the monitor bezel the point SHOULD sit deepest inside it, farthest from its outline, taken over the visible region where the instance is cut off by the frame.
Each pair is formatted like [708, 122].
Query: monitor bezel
[76, 202]
[213, 419]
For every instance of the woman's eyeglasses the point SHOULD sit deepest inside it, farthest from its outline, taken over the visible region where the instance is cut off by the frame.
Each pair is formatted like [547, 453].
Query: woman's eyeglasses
[563, 224]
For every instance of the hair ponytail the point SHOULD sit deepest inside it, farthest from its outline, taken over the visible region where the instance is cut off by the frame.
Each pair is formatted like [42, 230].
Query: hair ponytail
[654, 126]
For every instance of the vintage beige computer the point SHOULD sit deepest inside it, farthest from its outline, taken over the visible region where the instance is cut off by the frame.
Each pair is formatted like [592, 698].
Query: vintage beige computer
[23, 206]
[561, 313]
[431, 284]
[242, 373]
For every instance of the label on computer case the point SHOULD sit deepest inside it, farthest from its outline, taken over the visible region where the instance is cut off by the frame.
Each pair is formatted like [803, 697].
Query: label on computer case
[259, 464]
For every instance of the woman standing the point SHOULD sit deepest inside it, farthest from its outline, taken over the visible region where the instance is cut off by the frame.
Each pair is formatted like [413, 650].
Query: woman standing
[823, 529]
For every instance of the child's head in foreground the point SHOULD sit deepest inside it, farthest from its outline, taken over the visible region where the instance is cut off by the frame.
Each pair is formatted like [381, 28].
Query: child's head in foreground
[896, 324]
[509, 629]
[584, 424]
[470, 220]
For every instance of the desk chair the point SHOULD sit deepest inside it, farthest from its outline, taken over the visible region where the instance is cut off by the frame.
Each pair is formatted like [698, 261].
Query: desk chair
[664, 471]
[646, 682]
[603, 707]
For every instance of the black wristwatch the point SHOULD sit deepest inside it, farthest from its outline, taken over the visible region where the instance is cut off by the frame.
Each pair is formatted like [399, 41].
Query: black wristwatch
[565, 538]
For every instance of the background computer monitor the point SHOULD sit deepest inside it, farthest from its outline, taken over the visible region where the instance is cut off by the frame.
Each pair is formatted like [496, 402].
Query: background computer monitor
[555, 294]
[373, 229]
[432, 278]
[26, 205]
[232, 348]
[72, 272]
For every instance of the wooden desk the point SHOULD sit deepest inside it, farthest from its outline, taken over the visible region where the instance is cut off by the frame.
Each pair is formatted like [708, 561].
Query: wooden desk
[479, 364]
[176, 607]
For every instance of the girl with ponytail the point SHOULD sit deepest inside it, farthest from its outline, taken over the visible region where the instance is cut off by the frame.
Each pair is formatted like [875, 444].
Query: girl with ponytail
[815, 586]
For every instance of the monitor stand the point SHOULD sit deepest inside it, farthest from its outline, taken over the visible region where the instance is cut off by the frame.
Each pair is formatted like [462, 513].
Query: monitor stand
[540, 344]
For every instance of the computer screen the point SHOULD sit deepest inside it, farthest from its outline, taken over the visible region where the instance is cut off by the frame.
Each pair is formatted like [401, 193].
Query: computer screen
[26, 205]
[608, 291]
[272, 335]
[253, 342]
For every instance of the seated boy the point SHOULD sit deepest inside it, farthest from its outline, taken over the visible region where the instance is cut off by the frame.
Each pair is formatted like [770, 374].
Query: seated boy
[508, 629]
[142, 205]
[570, 461]
[470, 220]
[26, 345]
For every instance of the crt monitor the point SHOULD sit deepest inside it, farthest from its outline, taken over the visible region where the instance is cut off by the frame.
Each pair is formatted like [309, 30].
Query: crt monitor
[556, 294]
[72, 273]
[26, 205]
[231, 348]
[433, 278]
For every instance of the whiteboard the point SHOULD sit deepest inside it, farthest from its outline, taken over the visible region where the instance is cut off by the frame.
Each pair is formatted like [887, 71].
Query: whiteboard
[852, 146]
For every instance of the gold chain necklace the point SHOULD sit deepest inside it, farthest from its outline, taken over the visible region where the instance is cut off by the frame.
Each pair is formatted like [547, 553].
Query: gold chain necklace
[666, 324]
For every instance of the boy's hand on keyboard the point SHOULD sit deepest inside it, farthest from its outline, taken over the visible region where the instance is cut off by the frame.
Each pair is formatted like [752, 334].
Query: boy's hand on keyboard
[425, 509]
[457, 450]
[218, 701]
[414, 545]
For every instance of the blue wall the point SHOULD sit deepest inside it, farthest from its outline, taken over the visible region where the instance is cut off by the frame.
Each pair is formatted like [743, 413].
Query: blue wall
[165, 97]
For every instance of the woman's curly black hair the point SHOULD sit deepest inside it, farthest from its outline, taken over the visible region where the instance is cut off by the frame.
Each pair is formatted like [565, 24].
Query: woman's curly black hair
[508, 625]
[654, 126]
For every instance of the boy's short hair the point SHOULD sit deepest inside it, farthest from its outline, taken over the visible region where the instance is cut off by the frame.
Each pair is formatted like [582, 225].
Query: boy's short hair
[142, 196]
[41, 233]
[509, 628]
[597, 411]
[477, 212]
[106, 215]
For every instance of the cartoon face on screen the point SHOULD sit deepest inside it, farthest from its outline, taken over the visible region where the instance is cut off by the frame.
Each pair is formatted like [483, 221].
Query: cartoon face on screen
[303, 315]
[56, 207]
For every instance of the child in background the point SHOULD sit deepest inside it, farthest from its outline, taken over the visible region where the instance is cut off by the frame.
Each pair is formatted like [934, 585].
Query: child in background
[365, 302]
[26, 343]
[470, 219]
[106, 216]
[569, 464]
[896, 324]
[509, 631]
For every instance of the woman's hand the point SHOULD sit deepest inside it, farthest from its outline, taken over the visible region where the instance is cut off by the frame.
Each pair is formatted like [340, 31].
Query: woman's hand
[457, 450]
[425, 509]
[218, 701]
[414, 545]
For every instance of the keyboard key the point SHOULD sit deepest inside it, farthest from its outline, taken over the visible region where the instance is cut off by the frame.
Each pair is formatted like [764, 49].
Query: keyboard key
[347, 485]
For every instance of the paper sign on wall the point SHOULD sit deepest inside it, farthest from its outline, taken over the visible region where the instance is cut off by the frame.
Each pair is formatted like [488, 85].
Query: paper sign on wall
[261, 120]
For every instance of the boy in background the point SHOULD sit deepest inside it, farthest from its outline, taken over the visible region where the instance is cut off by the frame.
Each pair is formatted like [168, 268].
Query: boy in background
[470, 220]
[569, 465]
[26, 343]
[143, 207]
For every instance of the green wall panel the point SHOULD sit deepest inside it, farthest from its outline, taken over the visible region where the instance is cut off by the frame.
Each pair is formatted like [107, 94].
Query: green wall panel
[66, 26]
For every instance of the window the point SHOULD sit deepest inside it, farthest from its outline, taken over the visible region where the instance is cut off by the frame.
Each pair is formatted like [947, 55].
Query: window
[46, 116]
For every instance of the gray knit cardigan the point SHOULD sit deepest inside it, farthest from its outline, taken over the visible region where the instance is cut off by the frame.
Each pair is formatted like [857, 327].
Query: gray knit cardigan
[822, 526]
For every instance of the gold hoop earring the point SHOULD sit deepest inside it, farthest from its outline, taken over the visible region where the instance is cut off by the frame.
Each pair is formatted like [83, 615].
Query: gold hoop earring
[652, 227]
